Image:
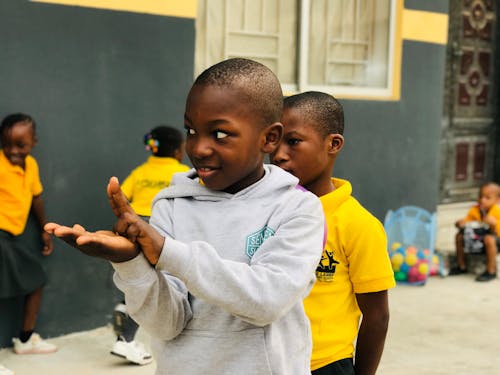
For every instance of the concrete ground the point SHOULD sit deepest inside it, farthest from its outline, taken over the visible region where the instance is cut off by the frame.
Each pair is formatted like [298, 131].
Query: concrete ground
[448, 326]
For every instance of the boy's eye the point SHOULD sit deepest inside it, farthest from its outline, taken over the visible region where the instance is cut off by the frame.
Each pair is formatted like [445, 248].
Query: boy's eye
[189, 131]
[293, 141]
[220, 135]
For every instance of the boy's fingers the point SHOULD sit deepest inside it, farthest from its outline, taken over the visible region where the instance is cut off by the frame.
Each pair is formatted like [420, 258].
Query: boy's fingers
[126, 221]
[117, 200]
[79, 229]
[49, 227]
[114, 248]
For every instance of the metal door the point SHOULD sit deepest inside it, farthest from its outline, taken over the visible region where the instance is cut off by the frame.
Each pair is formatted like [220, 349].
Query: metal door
[468, 127]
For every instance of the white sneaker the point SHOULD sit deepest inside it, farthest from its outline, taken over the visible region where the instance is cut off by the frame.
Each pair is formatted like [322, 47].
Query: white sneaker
[5, 371]
[133, 351]
[35, 345]
[121, 307]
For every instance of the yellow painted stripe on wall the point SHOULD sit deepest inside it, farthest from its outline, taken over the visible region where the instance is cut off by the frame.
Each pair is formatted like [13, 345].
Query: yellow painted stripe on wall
[174, 8]
[425, 26]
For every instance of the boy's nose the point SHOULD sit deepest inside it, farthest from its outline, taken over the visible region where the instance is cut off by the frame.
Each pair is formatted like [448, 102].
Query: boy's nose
[279, 156]
[201, 149]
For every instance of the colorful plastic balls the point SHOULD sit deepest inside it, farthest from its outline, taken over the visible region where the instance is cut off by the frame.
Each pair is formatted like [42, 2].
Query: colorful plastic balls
[411, 250]
[395, 246]
[421, 254]
[404, 268]
[400, 276]
[413, 274]
[411, 259]
[423, 268]
[396, 261]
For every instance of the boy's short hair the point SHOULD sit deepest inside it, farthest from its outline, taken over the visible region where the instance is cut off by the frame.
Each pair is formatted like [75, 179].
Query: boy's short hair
[257, 82]
[323, 109]
[492, 184]
[169, 140]
[10, 120]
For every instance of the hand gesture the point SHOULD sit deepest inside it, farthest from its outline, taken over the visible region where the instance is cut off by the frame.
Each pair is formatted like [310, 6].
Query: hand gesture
[460, 223]
[47, 244]
[132, 226]
[101, 244]
[490, 220]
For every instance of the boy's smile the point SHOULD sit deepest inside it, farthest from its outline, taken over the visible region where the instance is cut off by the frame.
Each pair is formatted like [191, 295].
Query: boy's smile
[17, 143]
[224, 138]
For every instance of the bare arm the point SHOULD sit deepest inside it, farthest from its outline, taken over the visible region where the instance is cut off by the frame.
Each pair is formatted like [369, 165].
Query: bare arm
[372, 331]
[39, 211]
[460, 223]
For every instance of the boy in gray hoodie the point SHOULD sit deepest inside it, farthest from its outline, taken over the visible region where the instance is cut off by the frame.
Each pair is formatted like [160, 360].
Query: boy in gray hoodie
[218, 276]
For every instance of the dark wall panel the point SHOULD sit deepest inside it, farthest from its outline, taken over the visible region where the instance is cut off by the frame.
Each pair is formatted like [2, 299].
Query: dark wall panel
[439, 6]
[95, 81]
[392, 148]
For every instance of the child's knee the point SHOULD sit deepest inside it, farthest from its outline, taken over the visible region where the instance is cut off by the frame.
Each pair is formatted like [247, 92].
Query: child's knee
[490, 240]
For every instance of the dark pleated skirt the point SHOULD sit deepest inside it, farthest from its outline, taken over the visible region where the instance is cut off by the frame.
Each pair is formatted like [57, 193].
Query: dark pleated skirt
[21, 271]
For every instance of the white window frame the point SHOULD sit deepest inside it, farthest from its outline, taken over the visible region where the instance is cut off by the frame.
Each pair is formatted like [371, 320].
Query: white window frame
[337, 90]
[302, 50]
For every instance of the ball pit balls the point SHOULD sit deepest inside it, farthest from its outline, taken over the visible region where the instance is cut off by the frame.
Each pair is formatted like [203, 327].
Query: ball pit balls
[423, 268]
[400, 276]
[421, 254]
[411, 259]
[435, 265]
[395, 246]
[411, 264]
[404, 267]
[411, 250]
[396, 261]
[413, 274]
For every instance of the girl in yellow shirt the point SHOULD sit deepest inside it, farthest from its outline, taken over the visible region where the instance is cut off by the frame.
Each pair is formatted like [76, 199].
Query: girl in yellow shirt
[166, 145]
[21, 273]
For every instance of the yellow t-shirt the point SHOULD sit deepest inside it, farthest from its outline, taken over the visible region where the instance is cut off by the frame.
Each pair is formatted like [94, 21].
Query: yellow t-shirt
[474, 214]
[354, 260]
[145, 181]
[17, 188]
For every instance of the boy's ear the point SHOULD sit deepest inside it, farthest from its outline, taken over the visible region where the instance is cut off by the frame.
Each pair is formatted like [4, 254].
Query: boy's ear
[178, 154]
[335, 143]
[273, 134]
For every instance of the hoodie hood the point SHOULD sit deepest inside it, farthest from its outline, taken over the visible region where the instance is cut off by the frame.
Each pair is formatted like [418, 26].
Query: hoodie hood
[187, 185]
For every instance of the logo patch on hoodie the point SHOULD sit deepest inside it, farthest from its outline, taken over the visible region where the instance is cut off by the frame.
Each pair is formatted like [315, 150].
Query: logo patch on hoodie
[256, 239]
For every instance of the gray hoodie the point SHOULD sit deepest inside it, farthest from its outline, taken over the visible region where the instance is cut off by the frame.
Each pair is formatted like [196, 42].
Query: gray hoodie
[226, 294]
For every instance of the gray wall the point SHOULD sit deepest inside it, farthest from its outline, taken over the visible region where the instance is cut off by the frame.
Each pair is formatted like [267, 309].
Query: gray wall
[95, 81]
[391, 153]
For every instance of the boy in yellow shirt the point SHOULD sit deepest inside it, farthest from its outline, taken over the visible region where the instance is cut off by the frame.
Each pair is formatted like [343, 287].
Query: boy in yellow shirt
[486, 213]
[354, 273]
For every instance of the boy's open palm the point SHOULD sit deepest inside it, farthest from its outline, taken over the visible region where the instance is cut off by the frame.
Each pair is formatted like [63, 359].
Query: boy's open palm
[102, 244]
[131, 233]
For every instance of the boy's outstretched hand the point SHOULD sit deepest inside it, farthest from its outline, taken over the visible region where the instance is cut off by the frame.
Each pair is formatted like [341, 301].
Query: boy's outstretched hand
[102, 244]
[132, 226]
[131, 233]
